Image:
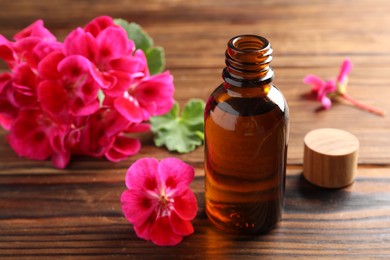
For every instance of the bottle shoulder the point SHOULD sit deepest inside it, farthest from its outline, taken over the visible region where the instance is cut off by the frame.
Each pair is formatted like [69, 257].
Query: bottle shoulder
[244, 104]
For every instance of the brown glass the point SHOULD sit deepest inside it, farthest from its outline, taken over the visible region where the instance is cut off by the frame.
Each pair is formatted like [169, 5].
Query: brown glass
[246, 132]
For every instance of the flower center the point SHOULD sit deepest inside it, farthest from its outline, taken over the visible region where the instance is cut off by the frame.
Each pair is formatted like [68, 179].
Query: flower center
[165, 205]
[165, 200]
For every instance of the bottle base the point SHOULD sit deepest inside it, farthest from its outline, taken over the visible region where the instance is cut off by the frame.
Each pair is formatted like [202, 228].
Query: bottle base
[242, 228]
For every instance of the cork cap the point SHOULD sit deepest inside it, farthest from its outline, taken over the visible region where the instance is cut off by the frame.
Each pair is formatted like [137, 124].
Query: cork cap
[330, 157]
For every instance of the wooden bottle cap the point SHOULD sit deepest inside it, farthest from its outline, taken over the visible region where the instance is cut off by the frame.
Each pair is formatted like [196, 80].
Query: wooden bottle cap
[330, 157]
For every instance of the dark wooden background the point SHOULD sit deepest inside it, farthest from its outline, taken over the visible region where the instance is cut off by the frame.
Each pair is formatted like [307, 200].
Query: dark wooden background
[76, 213]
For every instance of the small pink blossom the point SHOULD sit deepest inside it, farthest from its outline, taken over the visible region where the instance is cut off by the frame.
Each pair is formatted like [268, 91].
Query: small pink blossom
[321, 89]
[158, 201]
[326, 90]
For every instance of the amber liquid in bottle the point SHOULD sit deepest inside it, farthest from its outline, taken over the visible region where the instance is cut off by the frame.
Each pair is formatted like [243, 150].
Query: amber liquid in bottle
[246, 131]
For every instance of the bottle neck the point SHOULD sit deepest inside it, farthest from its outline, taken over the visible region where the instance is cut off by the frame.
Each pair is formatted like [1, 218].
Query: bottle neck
[247, 63]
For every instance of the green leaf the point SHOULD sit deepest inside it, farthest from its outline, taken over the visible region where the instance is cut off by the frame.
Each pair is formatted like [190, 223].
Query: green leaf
[156, 59]
[154, 55]
[134, 32]
[180, 133]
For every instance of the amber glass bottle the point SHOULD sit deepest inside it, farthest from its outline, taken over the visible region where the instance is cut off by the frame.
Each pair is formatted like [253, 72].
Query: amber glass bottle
[246, 135]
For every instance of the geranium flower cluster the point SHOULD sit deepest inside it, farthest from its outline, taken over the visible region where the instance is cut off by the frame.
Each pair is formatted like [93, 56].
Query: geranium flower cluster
[82, 96]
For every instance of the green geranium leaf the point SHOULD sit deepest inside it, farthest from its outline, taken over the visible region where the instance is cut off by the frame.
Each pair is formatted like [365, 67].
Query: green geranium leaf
[156, 59]
[154, 55]
[141, 39]
[180, 133]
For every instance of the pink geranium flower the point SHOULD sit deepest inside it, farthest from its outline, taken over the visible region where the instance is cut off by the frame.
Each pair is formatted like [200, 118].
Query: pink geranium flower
[326, 90]
[321, 89]
[158, 201]
[147, 98]
[102, 135]
[110, 50]
[75, 91]
[35, 136]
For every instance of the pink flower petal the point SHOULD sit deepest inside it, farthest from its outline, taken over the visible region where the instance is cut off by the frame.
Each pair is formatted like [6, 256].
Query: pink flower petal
[25, 80]
[120, 82]
[78, 107]
[180, 227]
[142, 62]
[315, 81]
[79, 42]
[345, 69]
[8, 112]
[144, 231]
[75, 68]
[36, 29]
[47, 68]
[122, 148]
[129, 109]
[24, 86]
[5, 81]
[27, 138]
[137, 128]
[175, 173]
[24, 50]
[83, 90]
[60, 160]
[98, 24]
[155, 94]
[44, 48]
[115, 123]
[143, 175]
[162, 233]
[6, 51]
[112, 43]
[137, 206]
[6, 121]
[326, 102]
[52, 97]
[97, 137]
[102, 79]
[127, 145]
[131, 64]
[327, 88]
[186, 205]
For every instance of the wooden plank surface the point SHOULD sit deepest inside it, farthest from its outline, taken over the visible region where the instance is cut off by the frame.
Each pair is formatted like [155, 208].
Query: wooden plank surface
[79, 215]
[45, 212]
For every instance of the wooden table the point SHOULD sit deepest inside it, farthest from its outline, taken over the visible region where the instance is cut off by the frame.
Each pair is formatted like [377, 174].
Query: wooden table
[76, 213]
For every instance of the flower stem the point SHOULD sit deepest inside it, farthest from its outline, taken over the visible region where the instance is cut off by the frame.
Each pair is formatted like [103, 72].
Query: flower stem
[363, 106]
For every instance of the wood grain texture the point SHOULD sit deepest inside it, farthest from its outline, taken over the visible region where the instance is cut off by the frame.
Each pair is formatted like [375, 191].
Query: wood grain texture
[79, 214]
[75, 213]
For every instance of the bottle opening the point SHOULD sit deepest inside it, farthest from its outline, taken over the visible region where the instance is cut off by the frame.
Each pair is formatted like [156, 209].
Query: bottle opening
[247, 61]
[248, 43]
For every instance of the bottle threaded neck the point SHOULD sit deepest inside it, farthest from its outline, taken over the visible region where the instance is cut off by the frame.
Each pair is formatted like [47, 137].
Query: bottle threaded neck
[247, 61]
